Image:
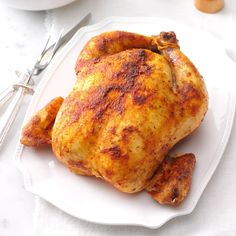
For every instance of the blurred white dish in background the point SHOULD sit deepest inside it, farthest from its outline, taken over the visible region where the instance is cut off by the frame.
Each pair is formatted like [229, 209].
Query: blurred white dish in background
[35, 5]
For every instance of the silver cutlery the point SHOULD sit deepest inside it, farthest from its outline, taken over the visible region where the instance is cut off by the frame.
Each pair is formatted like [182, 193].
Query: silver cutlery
[18, 90]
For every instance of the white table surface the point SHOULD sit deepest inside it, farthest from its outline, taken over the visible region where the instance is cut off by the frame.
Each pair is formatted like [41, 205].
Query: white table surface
[22, 34]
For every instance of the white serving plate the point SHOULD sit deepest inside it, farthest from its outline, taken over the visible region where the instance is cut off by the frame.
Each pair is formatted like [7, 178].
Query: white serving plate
[96, 201]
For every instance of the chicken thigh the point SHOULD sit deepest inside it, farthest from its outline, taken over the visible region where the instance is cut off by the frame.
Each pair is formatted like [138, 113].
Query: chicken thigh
[135, 97]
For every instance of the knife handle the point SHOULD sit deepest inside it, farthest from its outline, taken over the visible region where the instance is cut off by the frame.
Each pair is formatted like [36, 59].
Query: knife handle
[10, 114]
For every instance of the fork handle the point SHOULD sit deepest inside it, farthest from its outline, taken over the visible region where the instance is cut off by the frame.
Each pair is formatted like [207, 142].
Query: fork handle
[10, 114]
[6, 94]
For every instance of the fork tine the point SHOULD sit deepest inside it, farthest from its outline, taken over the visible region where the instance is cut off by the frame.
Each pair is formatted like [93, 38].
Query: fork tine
[47, 54]
[46, 45]
[56, 46]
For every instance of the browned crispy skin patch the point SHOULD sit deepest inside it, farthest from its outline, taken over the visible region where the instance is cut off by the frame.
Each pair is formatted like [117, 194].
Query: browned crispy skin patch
[190, 93]
[123, 82]
[171, 183]
[37, 132]
[114, 152]
[168, 37]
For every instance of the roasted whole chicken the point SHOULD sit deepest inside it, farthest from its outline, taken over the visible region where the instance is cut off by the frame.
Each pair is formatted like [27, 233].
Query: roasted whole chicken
[135, 97]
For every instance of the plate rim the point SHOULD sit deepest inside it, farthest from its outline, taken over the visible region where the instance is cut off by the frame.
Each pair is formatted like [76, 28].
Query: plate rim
[219, 151]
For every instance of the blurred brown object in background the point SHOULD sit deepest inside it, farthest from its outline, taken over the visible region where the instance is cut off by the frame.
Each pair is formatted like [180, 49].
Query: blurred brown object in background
[209, 6]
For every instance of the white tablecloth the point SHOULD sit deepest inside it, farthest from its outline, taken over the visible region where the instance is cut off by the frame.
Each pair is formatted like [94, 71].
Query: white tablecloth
[215, 213]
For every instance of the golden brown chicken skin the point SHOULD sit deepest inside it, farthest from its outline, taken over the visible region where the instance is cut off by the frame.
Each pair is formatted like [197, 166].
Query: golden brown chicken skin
[172, 180]
[38, 131]
[135, 97]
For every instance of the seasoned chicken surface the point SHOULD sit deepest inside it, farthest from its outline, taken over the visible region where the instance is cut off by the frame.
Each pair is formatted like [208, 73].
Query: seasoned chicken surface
[135, 97]
[172, 179]
[38, 131]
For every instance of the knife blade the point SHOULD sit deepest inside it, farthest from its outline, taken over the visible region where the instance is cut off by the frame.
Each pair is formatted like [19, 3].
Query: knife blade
[65, 38]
